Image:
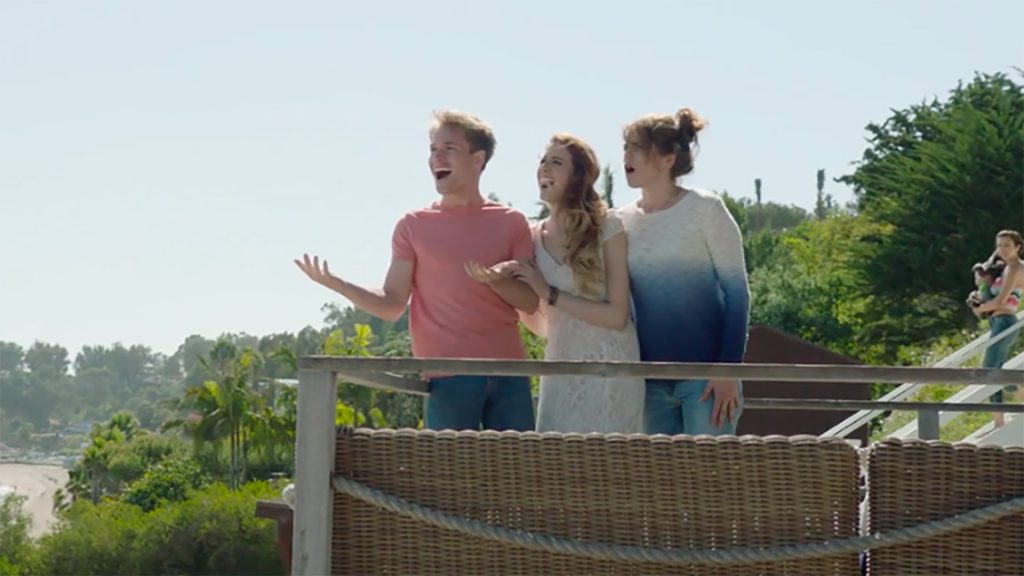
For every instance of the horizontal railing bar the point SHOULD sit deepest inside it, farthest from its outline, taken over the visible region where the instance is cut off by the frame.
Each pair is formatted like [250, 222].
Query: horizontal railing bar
[824, 373]
[393, 383]
[815, 404]
[385, 381]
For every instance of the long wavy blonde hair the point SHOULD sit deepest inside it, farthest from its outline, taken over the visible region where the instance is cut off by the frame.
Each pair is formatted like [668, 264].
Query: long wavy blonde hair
[581, 217]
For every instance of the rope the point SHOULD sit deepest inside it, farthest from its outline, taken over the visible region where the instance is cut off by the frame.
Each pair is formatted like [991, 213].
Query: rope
[727, 556]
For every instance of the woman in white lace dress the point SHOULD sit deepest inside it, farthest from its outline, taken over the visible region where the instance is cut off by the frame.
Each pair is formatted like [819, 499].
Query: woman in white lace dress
[581, 276]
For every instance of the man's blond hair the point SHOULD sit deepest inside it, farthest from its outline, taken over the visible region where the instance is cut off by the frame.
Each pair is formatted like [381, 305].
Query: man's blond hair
[477, 132]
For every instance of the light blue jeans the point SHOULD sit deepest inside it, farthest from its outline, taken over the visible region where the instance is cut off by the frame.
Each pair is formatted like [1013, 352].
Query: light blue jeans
[673, 407]
[995, 356]
[466, 402]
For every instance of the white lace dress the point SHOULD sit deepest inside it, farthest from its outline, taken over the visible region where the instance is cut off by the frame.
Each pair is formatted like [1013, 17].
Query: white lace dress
[585, 403]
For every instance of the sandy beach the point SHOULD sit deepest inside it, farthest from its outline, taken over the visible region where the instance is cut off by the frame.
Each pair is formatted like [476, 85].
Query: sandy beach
[38, 483]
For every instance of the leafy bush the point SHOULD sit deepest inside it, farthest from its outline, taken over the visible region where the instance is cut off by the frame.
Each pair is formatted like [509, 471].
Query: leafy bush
[15, 543]
[213, 531]
[172, 480]
[130, 461]
[91, 539]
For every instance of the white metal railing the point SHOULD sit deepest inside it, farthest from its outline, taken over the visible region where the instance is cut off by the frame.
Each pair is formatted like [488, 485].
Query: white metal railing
[904, 391]
[968, 394]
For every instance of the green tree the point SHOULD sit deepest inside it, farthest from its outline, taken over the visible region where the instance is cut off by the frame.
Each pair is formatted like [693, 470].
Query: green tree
[91, 539]
[773, 216]
[213, 530]
[273, 430]
[346, 319]
[99, 385]
[101, 470]
[172, 480]
[308, 341]
[542, 213]
[274, 366]
[808, 285]
[738, 210]
[46, 362]
[219, 409]
[147, 415]
[823, 204]
[762, 248]
[14, 387]
[130, 459]
[43, 386]
[107, 463]
[95, 463]
[168, 367]
[12, 359]
[361, 399]
[608, 185]
[132, 366]
[189, 356]
[939, 179]
[15, 542]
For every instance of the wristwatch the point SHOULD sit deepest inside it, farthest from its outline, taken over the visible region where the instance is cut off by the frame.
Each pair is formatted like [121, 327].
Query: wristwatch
[552, 295]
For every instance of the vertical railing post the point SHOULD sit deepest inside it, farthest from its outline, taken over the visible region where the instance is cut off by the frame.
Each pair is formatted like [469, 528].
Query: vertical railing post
[928, 424]
[314, 464]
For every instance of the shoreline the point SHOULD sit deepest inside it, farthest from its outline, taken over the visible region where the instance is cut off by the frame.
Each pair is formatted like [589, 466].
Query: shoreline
[37, 482]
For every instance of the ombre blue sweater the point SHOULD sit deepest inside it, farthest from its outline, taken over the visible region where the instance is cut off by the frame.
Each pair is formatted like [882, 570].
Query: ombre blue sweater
[689, 280]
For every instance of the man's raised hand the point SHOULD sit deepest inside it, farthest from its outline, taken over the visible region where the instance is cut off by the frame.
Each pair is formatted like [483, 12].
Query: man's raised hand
[318, 272]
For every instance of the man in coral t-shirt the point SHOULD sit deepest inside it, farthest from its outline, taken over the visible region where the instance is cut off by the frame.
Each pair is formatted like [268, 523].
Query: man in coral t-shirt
[451, 314]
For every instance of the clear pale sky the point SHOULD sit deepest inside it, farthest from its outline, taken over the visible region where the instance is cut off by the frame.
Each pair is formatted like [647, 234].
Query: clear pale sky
[162, 163]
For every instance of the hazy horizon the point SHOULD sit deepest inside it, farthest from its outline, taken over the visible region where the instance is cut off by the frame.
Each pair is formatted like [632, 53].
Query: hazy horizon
[161, 164]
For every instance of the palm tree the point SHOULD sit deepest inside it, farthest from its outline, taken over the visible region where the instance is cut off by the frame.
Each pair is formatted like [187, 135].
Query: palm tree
[361, 399]
[820, 208]
[124, 422]
[274, 417]
[219, 409]
[96, 464]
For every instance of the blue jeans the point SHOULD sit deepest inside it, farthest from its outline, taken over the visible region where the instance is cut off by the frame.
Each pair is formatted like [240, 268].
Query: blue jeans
[995, 356]
[466, 402]
[673, 407]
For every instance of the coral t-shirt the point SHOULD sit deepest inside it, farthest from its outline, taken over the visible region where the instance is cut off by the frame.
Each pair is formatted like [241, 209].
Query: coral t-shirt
[451, 315]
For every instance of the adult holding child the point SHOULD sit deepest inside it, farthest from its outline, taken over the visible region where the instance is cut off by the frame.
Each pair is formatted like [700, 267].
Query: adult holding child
[1007, 291]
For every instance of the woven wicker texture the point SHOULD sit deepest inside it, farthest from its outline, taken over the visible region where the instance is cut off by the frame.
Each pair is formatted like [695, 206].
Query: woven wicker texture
[657, 492]
[912, 482]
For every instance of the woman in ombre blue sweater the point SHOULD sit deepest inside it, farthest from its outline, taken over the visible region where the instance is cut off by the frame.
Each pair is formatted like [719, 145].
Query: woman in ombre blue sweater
[688, 277]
